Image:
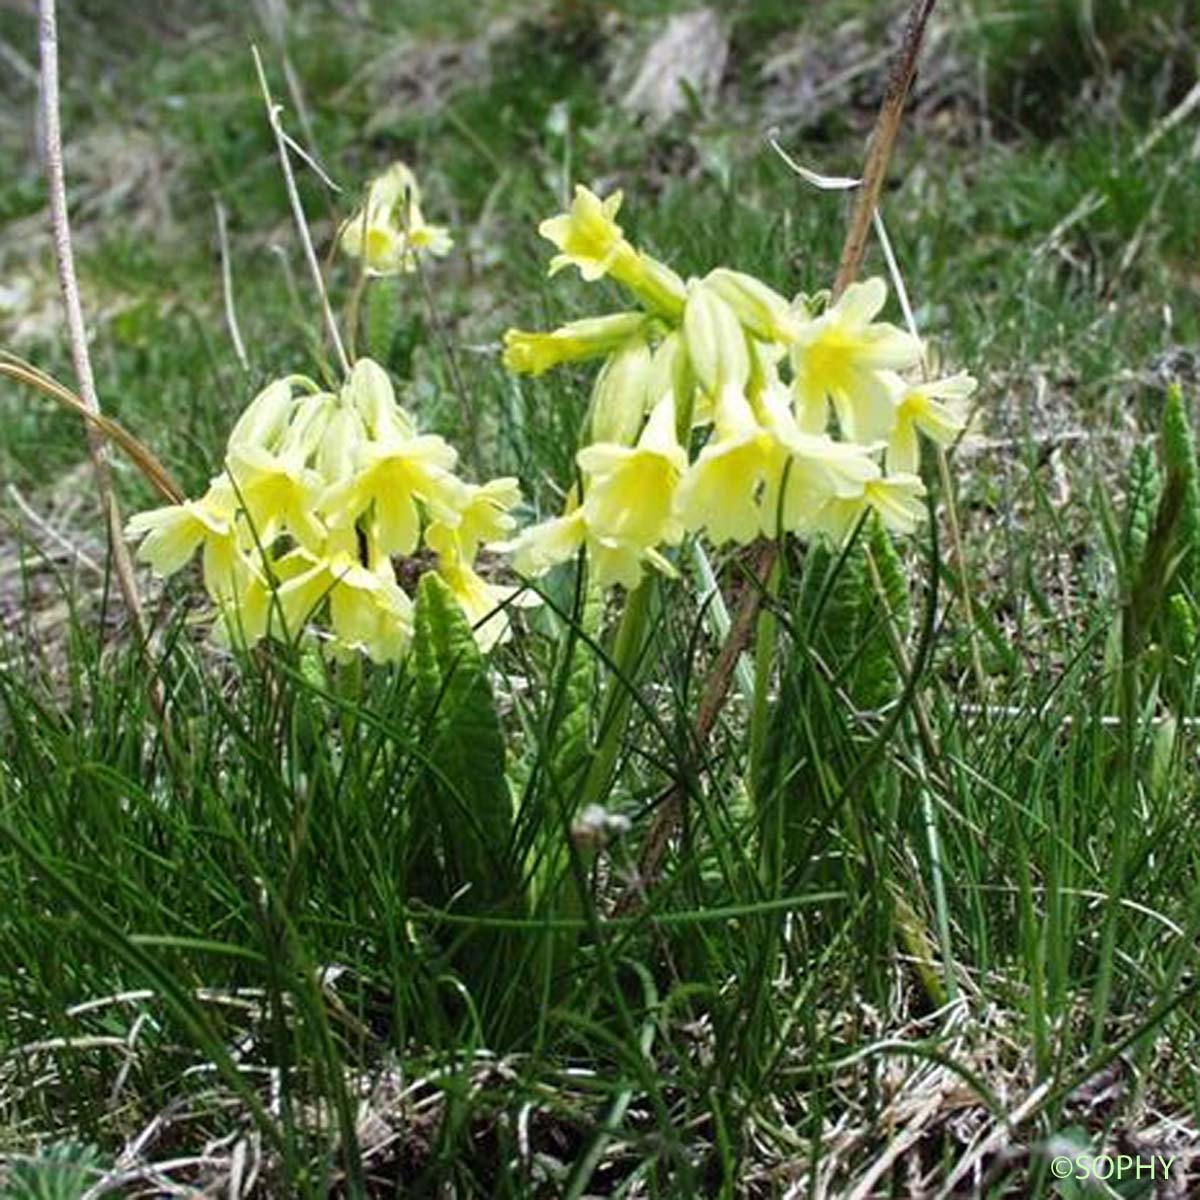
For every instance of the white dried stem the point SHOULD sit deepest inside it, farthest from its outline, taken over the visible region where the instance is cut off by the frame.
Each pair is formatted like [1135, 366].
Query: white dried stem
[289, 179]
[231, 320]
[68, 281]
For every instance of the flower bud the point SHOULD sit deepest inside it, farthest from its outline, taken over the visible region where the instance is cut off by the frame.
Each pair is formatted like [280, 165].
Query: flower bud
[619, 399]
[715, 342]
[761, 309]
[265, 416]
[593, 337]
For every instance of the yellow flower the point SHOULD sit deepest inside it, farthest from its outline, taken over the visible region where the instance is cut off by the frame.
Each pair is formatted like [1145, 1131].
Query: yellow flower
[483, 515]
[540, 547]
[389, 230]
[716, 343]
[278, 492]
[936, 409]
[897, 499]
[369, 391]
[339, 449]
[722, 489]
[587, 235]
[394, 476]
[630, 491]
[807, 470]
[844, 355]
[484, 604]
[620, 395]
[610, 561]
[265, 417]
[171, 535]
[532, 353]
[368, 611]
[244, 613]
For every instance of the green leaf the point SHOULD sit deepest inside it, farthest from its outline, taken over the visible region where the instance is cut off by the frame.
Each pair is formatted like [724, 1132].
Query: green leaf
[463, 793]
[1179, 458]
[1143, 489]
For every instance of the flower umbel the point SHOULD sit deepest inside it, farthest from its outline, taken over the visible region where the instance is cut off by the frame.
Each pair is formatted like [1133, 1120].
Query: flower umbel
[389, 231]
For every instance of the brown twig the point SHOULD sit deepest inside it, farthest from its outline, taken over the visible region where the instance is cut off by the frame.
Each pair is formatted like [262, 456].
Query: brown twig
[883, 138]
[76, 331]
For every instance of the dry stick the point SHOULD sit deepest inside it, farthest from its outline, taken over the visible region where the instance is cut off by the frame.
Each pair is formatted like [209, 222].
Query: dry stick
[76, 331]
[289, 179]
[235, 333]
[887, 125]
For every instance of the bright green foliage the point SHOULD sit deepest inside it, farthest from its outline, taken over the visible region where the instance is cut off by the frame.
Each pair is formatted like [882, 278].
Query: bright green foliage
[848, 616]
[463, 792]
[1179, 455]
[1143, 488]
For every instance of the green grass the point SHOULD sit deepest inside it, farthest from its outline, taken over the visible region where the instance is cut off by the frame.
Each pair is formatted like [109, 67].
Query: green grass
[892, 892]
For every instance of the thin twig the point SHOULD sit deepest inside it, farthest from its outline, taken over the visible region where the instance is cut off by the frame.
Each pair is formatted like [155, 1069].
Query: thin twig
[947, 484]
[712, 700]
[289, 180]
[76, 331]
[81, 557]
[887, 125]
[235, 333]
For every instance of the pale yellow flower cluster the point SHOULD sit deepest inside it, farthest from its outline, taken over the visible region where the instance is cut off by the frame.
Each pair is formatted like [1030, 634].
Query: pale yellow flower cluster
[729, 354]
[320, 492]
[389, 231]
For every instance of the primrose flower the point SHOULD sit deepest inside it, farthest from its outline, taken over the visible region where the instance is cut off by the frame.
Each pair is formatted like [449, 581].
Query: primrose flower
[845, 356]
[171, 535]
[716, 343]
[593, 337]
[631, 490]
[265, 417]
[936, 409]
[393, 476]
[588, 237]
[368, 611]
[897, 499]
[721, 491]
[278, 492]
[807, 470]
[620, 394]
[538, 548]
[388, 231]
[484, 604]
[628, 509]
[369, 391]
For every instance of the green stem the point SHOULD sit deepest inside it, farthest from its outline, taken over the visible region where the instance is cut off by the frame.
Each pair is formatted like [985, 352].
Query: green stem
[627, 651]
[766, 637]
[1126, 798]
